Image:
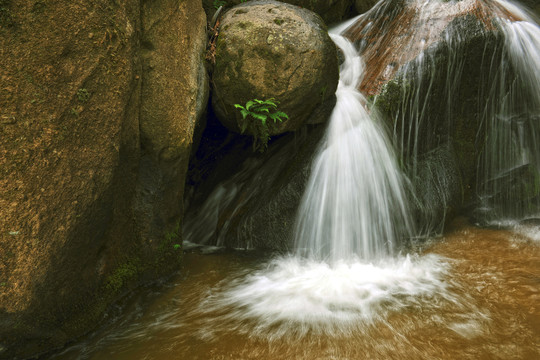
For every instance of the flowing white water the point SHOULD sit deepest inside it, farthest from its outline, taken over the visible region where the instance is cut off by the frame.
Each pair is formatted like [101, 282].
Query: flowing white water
[355, 204]
[293, 297]
[350, 221]
[511, 161]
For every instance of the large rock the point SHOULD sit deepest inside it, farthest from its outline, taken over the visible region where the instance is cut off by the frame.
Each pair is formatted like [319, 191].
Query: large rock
[438, 73]
[331, 11]
[173, 97]
[78, 163]
[268, 49]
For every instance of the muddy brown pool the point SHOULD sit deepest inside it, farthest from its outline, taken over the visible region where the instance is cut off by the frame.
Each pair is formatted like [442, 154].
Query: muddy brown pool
[491, 311]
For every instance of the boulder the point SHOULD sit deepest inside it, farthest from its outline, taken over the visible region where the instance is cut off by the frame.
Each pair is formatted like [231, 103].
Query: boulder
[268, 49]
[331, 11]
[437, 74]
[174, 96]
[81, 175]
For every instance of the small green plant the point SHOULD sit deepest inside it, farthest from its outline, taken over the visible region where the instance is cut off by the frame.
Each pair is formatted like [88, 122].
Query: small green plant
[83, 95]
[255, 117]
[219, 3]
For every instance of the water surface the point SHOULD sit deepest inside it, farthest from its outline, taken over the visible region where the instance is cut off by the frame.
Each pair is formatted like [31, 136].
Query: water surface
[480, 299]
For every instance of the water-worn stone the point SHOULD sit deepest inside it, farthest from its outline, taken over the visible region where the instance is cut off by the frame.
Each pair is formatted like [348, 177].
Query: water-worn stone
[76, 157]
[430, 69]
[268, 49]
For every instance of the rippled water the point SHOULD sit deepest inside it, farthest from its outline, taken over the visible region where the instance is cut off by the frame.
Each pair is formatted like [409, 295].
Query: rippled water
[472, 294]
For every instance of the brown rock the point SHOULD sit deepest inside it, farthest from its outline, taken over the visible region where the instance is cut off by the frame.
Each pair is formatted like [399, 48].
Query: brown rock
[73, 228]
[268, 49]
[331, 11]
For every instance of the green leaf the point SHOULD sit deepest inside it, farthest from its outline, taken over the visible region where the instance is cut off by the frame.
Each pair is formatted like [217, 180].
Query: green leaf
[272, 102]
[249, 104]
[238, 106]
[260, 117]
[244, 113]
[281, 114]
[278, 115]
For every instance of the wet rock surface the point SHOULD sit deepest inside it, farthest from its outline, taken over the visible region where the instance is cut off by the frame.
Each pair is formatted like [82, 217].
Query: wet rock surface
[431, 70]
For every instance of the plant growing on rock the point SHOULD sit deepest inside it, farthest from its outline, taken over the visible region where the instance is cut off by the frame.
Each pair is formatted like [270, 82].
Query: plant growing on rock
[255, 117]
[219, 3]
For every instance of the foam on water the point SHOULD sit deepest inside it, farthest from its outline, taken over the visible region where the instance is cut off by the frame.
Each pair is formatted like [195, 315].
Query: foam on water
[352, 216]
[294, 296]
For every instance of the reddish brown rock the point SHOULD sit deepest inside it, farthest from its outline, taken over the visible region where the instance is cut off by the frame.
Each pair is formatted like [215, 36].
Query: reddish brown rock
[395, 32]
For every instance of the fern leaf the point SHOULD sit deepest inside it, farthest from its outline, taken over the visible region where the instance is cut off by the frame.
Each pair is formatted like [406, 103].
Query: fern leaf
[244, 113]
[249, 104]
[281, 114]
[278, 115]
[261, 117]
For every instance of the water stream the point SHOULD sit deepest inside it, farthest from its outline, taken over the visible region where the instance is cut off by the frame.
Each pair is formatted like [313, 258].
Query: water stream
[355, 204]
[488, 309]
[353, 288]
[510, 165]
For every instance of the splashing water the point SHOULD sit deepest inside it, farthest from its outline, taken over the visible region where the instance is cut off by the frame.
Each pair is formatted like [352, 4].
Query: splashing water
[346, 273]
[351, 218]
[354, 205]
[293, 297]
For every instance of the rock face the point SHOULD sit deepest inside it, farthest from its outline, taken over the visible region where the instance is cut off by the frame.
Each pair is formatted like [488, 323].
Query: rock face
[85, 157]
[432, 71]
[173, 97]
[268, 49]
[362, 6]
[255, 204]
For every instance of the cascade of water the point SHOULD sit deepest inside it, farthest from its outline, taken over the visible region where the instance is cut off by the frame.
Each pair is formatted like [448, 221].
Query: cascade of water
[352, 215]
[355, 204]
[510, 166]
[466, 92]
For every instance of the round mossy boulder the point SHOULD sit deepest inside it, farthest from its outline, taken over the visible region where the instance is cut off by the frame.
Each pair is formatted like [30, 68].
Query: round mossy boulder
[272, 50]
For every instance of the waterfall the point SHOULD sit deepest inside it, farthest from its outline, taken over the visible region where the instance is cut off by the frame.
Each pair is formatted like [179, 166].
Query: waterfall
[346, 273]
[354, 205]
[510, 166]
